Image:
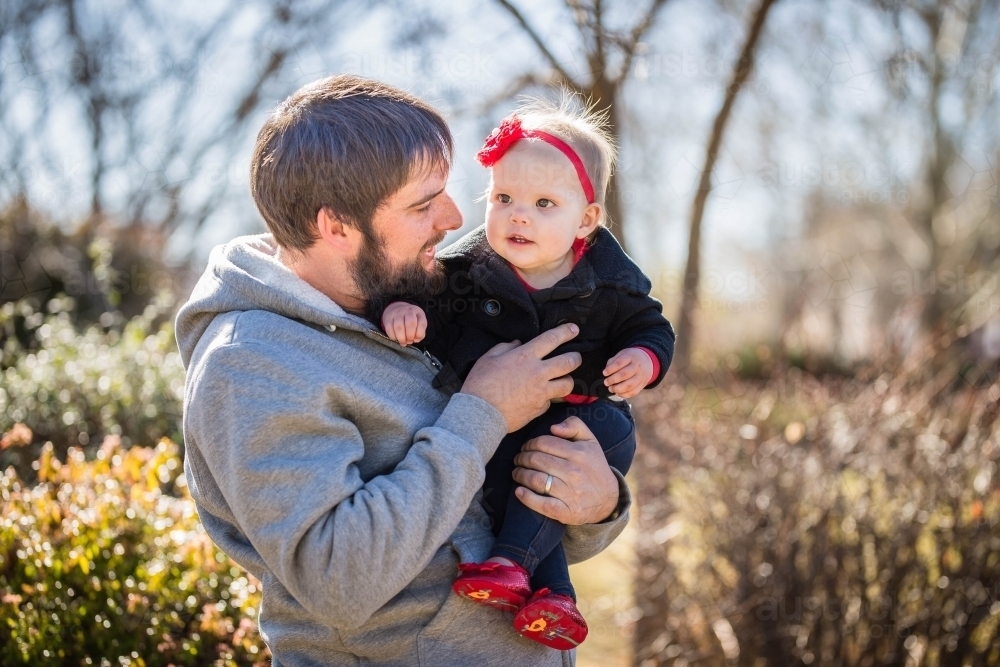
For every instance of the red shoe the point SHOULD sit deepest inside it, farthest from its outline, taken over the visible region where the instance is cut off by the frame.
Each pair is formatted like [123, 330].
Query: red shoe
[551, 619]
[505, 587]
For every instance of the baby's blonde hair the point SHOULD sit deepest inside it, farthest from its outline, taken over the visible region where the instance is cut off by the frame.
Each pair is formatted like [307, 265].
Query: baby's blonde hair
[581, 126]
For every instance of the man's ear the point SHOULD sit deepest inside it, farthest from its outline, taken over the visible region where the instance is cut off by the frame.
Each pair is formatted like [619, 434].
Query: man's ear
[334, 232]
[591, 218]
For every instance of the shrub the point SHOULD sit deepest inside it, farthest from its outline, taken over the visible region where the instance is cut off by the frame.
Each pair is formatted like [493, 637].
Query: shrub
[102, 265]
[101, 564]
[800, 522]
[78, 386]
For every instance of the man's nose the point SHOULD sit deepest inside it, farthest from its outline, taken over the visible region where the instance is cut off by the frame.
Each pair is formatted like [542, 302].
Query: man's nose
[450, 217]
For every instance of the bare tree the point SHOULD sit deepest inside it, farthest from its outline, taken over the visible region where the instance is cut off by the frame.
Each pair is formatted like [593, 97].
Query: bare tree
[160, 122]
[608, 54]
[934, 245]
[947, 76]
[692, 272]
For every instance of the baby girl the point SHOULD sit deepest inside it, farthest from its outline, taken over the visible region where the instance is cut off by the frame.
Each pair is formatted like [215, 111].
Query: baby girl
[543, 258]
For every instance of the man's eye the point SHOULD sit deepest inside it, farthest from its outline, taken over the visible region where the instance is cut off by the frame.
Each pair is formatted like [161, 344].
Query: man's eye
[503, 199]
[544, 203]
[423, 208]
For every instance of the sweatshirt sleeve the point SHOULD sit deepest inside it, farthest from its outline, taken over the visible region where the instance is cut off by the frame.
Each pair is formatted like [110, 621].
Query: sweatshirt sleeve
[285, 457]
[583, 542]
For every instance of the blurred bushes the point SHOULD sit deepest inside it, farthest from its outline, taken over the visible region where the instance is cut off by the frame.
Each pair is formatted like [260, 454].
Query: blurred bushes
[102, 558]
[104, 268]
[842, 522]
[100, 563]
[73, 386]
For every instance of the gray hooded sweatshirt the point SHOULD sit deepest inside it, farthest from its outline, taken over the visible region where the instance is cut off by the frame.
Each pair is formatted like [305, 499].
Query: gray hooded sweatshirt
[322, 460]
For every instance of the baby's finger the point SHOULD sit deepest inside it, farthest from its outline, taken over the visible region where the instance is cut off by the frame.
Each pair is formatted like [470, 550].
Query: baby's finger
[421, 329]
[626, 389]
[621, 376]
[411, 327]
[399, 327]
[627, 394]
[615, 363]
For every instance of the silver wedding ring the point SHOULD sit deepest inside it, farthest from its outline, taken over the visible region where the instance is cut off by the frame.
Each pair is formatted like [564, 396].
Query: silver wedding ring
[548, 485]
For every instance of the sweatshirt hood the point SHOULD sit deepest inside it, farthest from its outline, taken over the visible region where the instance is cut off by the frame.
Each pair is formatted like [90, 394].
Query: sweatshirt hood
[246, 274]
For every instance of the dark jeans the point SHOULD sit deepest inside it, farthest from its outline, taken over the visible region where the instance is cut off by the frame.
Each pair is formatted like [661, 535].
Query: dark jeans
[525, 536]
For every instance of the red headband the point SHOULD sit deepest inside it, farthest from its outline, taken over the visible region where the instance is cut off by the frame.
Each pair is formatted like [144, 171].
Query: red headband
[510, 132]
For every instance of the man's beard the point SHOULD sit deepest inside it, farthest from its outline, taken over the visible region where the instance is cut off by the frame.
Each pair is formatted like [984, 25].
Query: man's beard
[379, 283]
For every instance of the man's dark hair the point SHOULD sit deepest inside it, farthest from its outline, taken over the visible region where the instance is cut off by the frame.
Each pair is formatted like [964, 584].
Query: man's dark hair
[345, 144]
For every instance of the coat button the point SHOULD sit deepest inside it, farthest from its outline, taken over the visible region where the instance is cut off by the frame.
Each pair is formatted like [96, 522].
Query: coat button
[492, 307]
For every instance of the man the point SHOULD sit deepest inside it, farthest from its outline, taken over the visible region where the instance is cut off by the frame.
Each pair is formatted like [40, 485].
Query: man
[319, 454]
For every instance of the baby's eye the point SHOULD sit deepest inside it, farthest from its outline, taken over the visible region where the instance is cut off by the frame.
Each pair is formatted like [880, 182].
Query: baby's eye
[544, 203]
[503, 199]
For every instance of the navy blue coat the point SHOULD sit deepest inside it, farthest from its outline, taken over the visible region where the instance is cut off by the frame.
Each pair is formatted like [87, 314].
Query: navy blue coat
[483, 303]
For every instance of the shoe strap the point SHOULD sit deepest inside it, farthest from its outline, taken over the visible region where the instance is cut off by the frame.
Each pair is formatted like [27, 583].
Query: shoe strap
[478, 567]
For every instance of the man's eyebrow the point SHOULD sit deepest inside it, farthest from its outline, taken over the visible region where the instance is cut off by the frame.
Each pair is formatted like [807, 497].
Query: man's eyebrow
[426, 199]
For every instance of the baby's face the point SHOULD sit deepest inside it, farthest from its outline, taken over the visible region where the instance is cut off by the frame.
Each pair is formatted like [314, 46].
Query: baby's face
[536, 207]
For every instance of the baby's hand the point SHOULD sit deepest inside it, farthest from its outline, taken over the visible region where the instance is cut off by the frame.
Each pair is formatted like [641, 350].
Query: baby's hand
[404, 323]
[628, 372]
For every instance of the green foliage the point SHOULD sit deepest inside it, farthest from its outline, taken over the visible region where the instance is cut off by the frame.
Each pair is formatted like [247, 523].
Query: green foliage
[76, 386]
[822, 522]
[100, 563]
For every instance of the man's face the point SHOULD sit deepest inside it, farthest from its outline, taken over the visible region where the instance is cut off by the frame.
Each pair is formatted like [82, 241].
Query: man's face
[407, 227]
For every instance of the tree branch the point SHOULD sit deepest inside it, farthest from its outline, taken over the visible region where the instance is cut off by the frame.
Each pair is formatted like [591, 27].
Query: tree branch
[536, 38]
[692, 272]
[628, 49]
[514, 87]
[599, 51]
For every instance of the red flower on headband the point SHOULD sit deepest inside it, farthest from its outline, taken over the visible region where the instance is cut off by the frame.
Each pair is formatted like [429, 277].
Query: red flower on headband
[510, 132]
[500, 140]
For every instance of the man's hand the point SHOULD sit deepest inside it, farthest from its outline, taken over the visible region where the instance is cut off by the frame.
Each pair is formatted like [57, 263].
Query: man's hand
[404, 323]
[516, 379]
[584, 490]
[628, 372]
